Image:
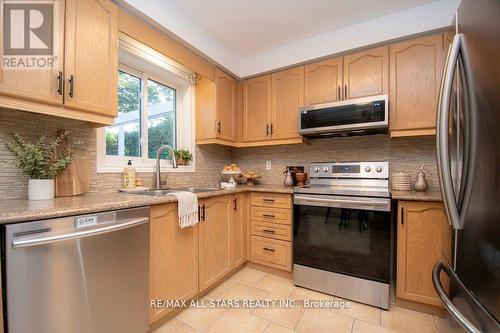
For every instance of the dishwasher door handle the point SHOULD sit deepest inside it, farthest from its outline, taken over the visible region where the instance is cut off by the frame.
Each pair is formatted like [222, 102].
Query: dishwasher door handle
[79, 234]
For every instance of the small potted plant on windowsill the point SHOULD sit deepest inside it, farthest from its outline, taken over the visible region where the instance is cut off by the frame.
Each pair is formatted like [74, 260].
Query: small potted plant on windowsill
[183, 156]
[40, 162]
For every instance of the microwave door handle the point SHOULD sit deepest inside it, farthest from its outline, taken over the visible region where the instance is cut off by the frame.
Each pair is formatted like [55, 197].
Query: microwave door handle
[442, 144]
[452, 309]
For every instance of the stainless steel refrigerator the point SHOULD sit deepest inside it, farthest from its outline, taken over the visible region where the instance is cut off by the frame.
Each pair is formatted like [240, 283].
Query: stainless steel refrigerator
[468, 155]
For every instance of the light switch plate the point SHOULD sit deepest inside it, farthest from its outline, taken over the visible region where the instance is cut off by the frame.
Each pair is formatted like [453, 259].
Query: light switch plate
[268, 165]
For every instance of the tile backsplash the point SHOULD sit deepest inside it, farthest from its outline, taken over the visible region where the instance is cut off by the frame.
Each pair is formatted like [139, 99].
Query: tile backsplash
[404, 154]
[210, 159]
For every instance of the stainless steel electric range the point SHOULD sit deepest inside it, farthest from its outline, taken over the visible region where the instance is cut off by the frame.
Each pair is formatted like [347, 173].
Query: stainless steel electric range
[342, 231]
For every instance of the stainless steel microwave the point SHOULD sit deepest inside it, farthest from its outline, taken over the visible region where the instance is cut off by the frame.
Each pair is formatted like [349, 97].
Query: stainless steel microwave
[367, 115]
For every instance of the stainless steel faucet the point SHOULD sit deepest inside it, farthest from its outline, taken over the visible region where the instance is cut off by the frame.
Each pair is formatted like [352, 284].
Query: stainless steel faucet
[158, 154]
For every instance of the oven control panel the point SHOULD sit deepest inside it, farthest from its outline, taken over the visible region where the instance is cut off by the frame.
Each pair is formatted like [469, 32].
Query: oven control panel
[376, 170]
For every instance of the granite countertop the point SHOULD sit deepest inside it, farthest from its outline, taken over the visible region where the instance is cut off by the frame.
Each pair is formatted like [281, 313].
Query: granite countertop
[417, 196]
[21, 210]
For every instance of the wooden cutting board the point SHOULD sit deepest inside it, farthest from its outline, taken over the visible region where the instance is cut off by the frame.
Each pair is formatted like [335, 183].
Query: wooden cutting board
[75, 179]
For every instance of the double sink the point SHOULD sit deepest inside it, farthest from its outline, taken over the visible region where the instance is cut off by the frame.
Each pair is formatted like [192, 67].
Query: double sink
[164, 192]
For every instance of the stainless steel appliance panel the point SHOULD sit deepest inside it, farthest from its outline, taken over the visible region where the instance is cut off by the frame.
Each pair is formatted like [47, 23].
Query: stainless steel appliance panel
[341, 238]
[351, 117]
[86, 274]
[468, 144]
[348, 287]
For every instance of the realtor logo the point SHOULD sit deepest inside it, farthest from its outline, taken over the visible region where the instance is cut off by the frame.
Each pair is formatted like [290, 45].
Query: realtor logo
[29, 34]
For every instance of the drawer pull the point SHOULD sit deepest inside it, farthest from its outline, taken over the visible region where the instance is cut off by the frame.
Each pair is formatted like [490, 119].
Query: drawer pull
[268, 215]
[268, 200]
[268, 249]
[269, 231]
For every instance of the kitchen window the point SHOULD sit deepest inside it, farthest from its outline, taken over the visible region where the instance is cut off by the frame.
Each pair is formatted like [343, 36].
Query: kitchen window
[155, 107]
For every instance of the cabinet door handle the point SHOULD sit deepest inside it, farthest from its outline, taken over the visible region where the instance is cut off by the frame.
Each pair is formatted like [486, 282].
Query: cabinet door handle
[60, 83]
[268, 249]
[267, 129]
[218, 127]
[235, 204]
[203, 213]
[272, 129]
[345, 91]
[402, 215]
[199, 213]
[269, 231]
[268, 215]
[71, 86]
[338, 93]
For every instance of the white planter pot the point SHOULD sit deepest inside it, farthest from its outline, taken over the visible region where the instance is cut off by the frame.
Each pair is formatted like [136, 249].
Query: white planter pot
[40, 189]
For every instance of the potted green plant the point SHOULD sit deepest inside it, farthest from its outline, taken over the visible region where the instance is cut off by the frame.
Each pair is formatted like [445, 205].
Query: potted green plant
[183, 156]
[40, 162]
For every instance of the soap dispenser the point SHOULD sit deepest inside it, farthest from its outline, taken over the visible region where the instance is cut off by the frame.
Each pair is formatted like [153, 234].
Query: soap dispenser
[129, 175]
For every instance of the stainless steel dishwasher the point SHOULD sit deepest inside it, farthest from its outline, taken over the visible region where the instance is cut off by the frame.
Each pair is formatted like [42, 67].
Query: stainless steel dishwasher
[83, 274]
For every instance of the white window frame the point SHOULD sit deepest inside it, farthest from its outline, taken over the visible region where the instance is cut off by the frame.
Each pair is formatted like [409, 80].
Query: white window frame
[141, 61]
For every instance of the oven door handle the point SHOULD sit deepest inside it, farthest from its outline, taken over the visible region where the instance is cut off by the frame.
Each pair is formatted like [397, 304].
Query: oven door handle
[384, 204]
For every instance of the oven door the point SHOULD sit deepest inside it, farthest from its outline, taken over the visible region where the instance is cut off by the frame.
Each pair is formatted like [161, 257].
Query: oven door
[343, 234]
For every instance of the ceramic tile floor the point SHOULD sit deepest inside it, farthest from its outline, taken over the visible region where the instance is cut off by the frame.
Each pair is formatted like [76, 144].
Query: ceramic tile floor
[250, 283]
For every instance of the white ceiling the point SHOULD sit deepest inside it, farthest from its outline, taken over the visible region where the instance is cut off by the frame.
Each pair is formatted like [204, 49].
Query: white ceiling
[249, 37]
[251, 27]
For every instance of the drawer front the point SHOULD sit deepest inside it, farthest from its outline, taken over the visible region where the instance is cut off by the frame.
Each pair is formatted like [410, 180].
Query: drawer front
[271, 230]
[270, 252]
[272, 215]
[275, 200]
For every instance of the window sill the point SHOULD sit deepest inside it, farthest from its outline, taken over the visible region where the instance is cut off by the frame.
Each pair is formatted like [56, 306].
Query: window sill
[147, 168]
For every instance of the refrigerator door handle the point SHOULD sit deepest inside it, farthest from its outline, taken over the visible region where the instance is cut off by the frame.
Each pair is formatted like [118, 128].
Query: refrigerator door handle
[452, 309]
[442, 144]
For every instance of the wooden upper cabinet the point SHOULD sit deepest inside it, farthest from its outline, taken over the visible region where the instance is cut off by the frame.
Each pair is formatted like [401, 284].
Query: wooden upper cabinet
[416, 68]
[257, 108]
[214, 250]
[366, 73]
[91, 56]
[323, 81]
[173, 258]
[287, 97]
[37, 85]
[424, 237]
[225, 87]
[206, 111]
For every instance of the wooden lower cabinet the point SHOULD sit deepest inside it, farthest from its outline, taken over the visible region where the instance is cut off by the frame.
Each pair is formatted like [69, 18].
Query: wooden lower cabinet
[423, 238]
[237, 229]
[271, 200]
[214, 244]
[186, 262]
[173, 258]
[271, 230]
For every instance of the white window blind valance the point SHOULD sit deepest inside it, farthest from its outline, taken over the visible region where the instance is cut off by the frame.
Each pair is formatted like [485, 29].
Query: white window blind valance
[129, 45]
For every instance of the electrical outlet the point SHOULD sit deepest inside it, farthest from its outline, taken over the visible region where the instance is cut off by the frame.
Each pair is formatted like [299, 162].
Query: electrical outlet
[268, 165]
